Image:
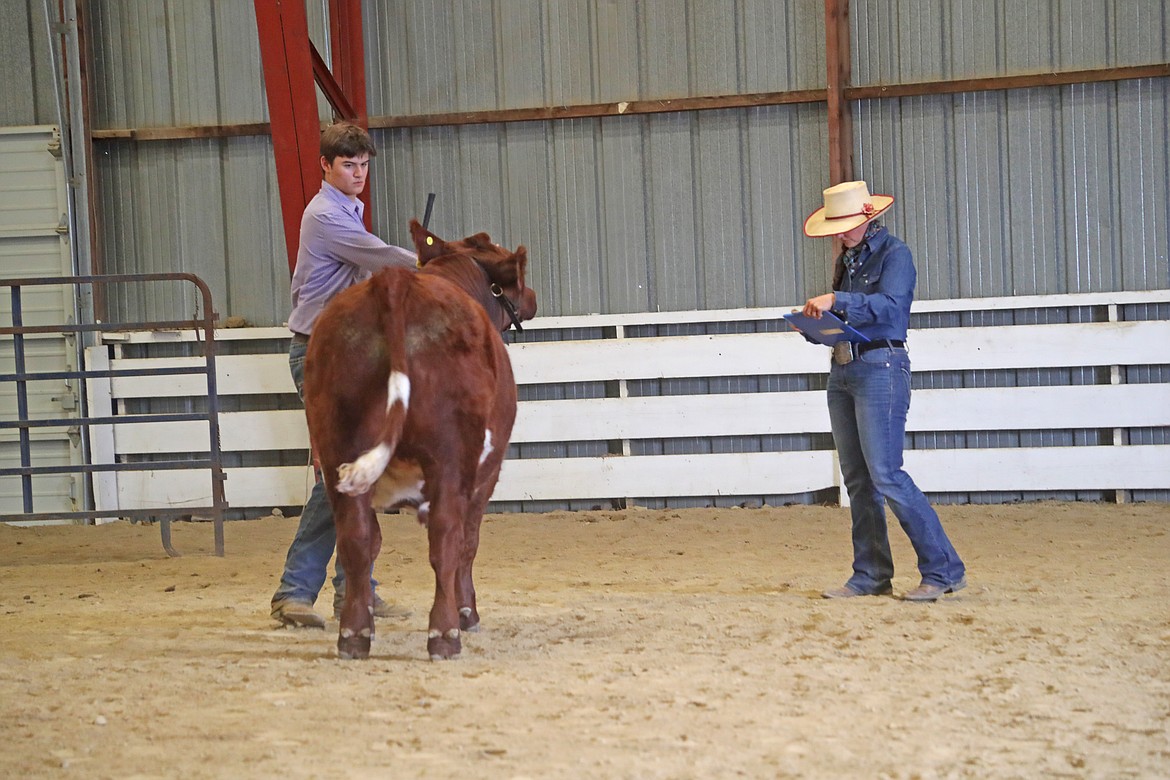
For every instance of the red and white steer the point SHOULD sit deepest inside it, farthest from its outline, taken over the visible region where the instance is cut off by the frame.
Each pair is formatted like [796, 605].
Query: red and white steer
[410, 401]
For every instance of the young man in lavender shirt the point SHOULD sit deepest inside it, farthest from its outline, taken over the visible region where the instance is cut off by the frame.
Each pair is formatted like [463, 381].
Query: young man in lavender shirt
[336, 251]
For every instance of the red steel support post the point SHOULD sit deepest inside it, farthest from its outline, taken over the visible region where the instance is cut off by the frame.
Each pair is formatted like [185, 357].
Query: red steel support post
[349, 68]
[349, 54]
[291, 65]
[838, 61]
[285, 53]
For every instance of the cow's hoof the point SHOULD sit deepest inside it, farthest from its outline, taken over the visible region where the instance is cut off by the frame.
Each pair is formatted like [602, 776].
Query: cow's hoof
[351, 646]
[468, 620]
[443, 647]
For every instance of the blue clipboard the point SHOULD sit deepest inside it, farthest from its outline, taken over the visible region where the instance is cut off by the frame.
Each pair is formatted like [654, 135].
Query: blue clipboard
[828, 330]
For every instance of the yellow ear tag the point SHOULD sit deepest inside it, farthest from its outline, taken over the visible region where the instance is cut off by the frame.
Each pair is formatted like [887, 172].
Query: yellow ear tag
[430, 240]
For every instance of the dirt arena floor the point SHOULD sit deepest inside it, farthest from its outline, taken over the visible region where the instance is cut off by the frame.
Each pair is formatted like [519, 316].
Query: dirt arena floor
[615, 644]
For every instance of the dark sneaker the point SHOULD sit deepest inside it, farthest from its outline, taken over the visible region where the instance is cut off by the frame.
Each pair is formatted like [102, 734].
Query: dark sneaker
[299, 614]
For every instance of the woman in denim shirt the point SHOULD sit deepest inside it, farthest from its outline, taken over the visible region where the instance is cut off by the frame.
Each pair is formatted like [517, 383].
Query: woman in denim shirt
[869, 396]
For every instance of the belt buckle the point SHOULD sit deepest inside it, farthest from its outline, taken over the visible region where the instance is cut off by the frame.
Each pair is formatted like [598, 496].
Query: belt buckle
[842, 353]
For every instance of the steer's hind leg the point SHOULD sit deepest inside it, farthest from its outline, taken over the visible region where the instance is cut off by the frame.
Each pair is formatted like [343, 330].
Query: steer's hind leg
[465, 586]
[359, 538]
[445, 534]
[486, 478]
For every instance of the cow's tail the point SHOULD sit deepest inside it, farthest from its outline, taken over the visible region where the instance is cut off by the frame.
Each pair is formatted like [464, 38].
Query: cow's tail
[359, 476]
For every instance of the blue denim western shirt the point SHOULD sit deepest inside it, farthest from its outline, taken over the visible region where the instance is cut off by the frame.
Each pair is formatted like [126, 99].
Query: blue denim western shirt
[875, 299]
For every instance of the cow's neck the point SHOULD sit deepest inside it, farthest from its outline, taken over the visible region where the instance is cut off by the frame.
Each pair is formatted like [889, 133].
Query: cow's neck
[471, 277]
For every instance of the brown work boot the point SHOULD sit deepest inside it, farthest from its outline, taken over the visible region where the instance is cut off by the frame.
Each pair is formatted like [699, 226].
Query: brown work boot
[388, 609]
[847, 591]
[929, 591]
[298, 614]
[382, 609]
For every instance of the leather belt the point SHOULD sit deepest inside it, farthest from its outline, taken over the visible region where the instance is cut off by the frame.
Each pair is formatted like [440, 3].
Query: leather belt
[845, 352]
[865, 346]
[300, 338]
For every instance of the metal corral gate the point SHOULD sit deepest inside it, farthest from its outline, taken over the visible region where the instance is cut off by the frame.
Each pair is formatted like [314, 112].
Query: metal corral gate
[24, 425]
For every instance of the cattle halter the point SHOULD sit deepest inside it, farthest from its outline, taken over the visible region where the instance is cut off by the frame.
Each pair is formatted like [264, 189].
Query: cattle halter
[506, 302]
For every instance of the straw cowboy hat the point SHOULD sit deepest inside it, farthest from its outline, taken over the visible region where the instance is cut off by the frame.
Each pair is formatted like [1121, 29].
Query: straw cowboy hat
[847, 205]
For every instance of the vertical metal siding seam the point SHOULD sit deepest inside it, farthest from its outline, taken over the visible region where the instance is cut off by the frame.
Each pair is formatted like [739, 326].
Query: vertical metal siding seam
[1077, 156]
[505, 178]
[699, 297]
[748, 261]
[1140, 151]
[595, 128]
[652, 226]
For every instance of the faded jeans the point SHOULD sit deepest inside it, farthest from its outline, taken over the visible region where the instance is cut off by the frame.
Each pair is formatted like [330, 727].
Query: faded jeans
[868, 402]
[307, 561]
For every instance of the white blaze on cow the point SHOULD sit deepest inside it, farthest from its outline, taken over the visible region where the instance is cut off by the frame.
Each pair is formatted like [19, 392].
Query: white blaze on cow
[397, 389]
[358, 477]
[487, 446]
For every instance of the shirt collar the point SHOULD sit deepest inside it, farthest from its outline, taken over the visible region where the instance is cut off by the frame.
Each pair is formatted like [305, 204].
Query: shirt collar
[355, 207]
[874, 233]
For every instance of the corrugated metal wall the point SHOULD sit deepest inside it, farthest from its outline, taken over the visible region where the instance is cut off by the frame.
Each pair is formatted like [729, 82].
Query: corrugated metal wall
[673, 211]
[906, 41]
[208, 206]
[26, 79]
[1024, 191]
[1029, 191]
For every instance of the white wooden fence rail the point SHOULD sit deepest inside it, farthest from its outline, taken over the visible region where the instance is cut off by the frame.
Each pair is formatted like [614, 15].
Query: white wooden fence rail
[1115, 406]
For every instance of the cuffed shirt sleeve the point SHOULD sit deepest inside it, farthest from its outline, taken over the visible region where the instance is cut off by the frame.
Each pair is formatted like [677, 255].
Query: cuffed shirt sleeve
[357, 246]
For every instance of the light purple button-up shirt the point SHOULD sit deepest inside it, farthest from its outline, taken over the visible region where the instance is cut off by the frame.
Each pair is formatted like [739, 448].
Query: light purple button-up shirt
[336, 252]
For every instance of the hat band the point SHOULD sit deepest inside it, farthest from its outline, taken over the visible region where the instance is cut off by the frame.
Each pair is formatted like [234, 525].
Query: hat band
[867, 210]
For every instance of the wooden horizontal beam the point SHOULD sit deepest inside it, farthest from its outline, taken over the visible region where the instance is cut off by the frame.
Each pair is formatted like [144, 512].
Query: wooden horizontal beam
[181, 133]
[643, 107]
[996, 83]
[602, 109]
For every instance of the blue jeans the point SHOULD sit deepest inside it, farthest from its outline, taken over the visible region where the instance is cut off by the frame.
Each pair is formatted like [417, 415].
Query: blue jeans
[307, 561]
[868, 402]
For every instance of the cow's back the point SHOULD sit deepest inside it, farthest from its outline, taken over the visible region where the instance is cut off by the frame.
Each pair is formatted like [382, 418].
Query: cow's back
[461, 382]
[461, 378]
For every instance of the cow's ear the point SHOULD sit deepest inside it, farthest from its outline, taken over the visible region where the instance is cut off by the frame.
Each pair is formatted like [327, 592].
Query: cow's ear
[426, 244]
[480, 241]
[515, 266]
